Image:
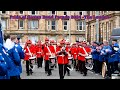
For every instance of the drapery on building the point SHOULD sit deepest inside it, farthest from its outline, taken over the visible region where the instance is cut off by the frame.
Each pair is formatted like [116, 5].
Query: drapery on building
[105, 26]
[39, 29]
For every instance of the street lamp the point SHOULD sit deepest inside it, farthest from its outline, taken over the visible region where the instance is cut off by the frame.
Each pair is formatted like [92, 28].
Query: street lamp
[69, 29]
[97, 27]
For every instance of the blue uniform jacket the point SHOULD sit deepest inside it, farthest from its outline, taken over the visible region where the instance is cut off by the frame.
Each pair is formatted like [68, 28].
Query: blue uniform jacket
[108, 55]
[3, 67]
[102, 55]
[21, 54]
[95, 54]
[13, 58]
[116, 53]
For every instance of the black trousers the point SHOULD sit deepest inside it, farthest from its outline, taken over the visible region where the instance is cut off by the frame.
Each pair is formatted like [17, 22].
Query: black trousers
[100, 66]
[110, 68]
[116, 65]
[39, 62]
[62, 70]
[96, 66]
[77, 65]
[29, 66]
[74, 63]
[82, 67]
[47, 67]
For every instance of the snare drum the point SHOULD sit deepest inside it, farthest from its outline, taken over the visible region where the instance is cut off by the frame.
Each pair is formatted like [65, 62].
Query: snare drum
[89, 57]
[89, 64]
[32, 60]
[52, 62]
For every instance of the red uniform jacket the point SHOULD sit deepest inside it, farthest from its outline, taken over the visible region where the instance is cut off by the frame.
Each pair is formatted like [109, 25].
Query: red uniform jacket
[80, 50]
[62, 59]
[47, 53]
[39, 51]
[27, 55]
[74, 52]
[88, 49]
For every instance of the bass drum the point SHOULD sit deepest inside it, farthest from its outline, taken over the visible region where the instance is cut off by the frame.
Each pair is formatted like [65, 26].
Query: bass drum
[104, 69]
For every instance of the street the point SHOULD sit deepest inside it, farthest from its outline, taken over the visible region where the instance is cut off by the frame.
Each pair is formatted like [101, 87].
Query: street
[39, 73]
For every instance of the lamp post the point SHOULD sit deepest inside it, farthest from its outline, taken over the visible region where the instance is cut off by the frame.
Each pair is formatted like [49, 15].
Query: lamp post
[97, 27]
[69, 29]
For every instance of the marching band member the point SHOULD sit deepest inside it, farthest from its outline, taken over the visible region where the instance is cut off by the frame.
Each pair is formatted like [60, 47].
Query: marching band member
[52, 49]
[101, 56]
[29, 51]
[95, 56]
[79, 45]
[68, 49]
[74, 53]
[109, 58]
[116, 60]
[39, 54]
[55, 46]
[81, 60]
[62, 58]
[3, 65]
[47, 53]
[13, 54]
[20, 51]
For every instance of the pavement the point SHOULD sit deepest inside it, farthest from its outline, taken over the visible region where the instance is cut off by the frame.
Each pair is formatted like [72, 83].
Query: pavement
[39, 73]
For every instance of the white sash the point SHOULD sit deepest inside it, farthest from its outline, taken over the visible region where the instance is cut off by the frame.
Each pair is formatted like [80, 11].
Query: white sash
[88, 56]
[30, 54]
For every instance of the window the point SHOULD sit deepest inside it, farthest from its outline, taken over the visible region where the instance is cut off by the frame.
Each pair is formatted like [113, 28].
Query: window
[3, 12]
[21, 12]
[33, 24]
[80, 12]
[51, 25]
[65, 12]
[4, 24]
[53, 12]
[65, 25]
[33, 38]
[33, 12]
[20, 24]
[66, 37]
[80, 25]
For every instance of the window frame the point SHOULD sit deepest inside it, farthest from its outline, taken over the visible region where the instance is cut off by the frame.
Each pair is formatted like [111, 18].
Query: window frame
[66, 25]
[32, 23]
[20, 28]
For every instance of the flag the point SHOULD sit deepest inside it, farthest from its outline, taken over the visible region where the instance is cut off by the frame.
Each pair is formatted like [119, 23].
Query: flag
[1, 34]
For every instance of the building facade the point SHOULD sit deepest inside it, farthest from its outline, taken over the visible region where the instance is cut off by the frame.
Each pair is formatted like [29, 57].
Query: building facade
[37, 25]
[105, 26]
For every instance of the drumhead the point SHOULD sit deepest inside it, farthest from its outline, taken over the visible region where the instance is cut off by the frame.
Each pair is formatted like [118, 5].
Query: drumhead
[32, 57]
[52, 57]
[104, 69]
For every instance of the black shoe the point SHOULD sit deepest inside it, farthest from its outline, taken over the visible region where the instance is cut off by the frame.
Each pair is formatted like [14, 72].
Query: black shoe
[49, 74]
[81, 72]
[46, 72]
[85, 75]
[28, 74]
[68, 74]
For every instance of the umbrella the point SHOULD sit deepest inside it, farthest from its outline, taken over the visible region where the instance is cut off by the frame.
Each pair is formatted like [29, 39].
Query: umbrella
[1, 34]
